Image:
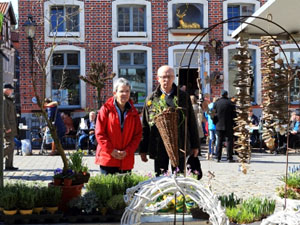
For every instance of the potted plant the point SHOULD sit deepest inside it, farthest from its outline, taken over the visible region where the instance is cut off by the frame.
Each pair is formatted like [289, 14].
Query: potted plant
[116, 204]
[76, 164]
[58, 177]
[26, 199]
[39, 200]
[9, 202]
[251, 210]
[68, 177]
[52, 198]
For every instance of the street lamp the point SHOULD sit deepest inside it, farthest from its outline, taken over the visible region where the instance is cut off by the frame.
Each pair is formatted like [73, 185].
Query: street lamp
[30, 31]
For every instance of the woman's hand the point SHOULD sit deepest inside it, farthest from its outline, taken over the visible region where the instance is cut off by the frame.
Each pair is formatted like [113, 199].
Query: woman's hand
[117, 154]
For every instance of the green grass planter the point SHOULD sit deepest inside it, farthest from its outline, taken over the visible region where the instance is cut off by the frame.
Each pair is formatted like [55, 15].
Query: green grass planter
[247, 211]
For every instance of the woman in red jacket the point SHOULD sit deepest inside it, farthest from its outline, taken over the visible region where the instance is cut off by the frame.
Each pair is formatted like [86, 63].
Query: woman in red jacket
[118, 131]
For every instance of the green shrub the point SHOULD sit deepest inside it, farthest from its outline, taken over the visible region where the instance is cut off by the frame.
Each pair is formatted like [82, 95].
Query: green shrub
[116, 202]
[229, 201]
[9, 200]
[40, 196]
[251, 210]
[293, 180]
[26, 197]
[52, 196]
[105, 186]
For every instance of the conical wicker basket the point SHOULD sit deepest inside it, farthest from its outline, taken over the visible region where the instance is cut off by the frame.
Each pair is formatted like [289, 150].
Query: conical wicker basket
[167, 125]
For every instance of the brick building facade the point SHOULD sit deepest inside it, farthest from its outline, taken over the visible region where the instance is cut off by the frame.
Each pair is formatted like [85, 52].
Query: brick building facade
[134, 38]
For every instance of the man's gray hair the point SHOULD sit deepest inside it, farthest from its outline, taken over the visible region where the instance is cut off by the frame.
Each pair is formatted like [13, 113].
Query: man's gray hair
[120, 82]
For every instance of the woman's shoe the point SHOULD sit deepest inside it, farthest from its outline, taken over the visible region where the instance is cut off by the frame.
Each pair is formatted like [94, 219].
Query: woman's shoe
[53, 153]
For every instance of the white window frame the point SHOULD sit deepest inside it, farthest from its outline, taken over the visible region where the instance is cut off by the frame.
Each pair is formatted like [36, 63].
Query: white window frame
[256, 4]
[170, 19]
[148, 51]
[258, 90]
[131, 36]
[61, 48]
[63, 36]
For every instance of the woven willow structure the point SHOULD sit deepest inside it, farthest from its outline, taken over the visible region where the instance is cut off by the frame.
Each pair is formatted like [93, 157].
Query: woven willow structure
[275, 80]
[286, 217]
[140, 196]
[243, 85]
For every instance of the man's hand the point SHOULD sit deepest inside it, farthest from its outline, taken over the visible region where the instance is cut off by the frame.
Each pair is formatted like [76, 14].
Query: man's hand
[293, 132]
[8, 131]
[144, 157]
[195, 152]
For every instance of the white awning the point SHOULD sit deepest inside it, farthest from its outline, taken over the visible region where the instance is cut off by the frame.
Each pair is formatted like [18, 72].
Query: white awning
[284, 12]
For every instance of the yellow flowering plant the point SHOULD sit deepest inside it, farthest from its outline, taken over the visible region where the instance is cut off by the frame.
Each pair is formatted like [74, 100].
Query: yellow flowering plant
[158, 106]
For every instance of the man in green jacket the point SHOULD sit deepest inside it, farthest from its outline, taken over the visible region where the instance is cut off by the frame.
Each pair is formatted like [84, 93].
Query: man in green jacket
[10, 126]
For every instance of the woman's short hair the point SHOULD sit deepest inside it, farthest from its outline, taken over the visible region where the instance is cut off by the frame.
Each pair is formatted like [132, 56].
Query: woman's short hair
[120, 82]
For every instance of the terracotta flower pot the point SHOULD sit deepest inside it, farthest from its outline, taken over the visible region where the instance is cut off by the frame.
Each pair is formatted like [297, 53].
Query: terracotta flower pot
[37, 210]
[57, 181]
[67, 182]
[52, 210]
[10, 212]
[26, 211]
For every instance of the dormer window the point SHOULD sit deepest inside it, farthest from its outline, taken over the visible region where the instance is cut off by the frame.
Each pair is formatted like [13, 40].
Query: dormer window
[187, 16]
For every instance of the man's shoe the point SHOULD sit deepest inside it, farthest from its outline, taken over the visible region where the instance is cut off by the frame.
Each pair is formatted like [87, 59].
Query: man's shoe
[217, 160]
[11, 168]
[231, 160]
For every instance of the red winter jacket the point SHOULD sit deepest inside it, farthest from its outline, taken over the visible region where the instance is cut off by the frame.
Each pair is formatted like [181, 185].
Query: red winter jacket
[109, 135]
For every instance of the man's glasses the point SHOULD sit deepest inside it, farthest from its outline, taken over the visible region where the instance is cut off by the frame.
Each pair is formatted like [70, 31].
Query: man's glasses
[165, 77]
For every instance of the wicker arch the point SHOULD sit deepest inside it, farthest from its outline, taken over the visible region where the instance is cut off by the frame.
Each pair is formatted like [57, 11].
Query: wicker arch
[146, 192]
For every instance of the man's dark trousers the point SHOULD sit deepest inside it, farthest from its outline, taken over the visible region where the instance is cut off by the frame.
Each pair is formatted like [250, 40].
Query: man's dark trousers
[221, 137]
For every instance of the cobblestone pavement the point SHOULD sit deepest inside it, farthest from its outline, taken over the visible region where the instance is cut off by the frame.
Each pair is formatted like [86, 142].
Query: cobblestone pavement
[262, 178]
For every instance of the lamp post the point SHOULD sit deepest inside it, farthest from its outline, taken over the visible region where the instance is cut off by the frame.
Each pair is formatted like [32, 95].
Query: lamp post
[30, 31]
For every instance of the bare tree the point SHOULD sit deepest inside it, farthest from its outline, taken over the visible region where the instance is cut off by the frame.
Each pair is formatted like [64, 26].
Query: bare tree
[97, 77]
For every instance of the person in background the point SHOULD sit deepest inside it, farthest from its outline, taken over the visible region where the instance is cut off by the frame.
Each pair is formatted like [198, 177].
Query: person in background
[9, 126]
[212, 130]
[68, 121]
[254, 120]
[225, 113]
[88, 134]
[254, 135]
[295, 132]
[152, 142]
[54, 116]
[118, 131]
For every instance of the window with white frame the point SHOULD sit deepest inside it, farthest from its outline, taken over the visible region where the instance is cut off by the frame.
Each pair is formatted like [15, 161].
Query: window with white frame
[185, 15]
[64, 20]
[235, 11]
[65, 82]
[235, 8]
[131, 20]
[132, 65]
[293, 57]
